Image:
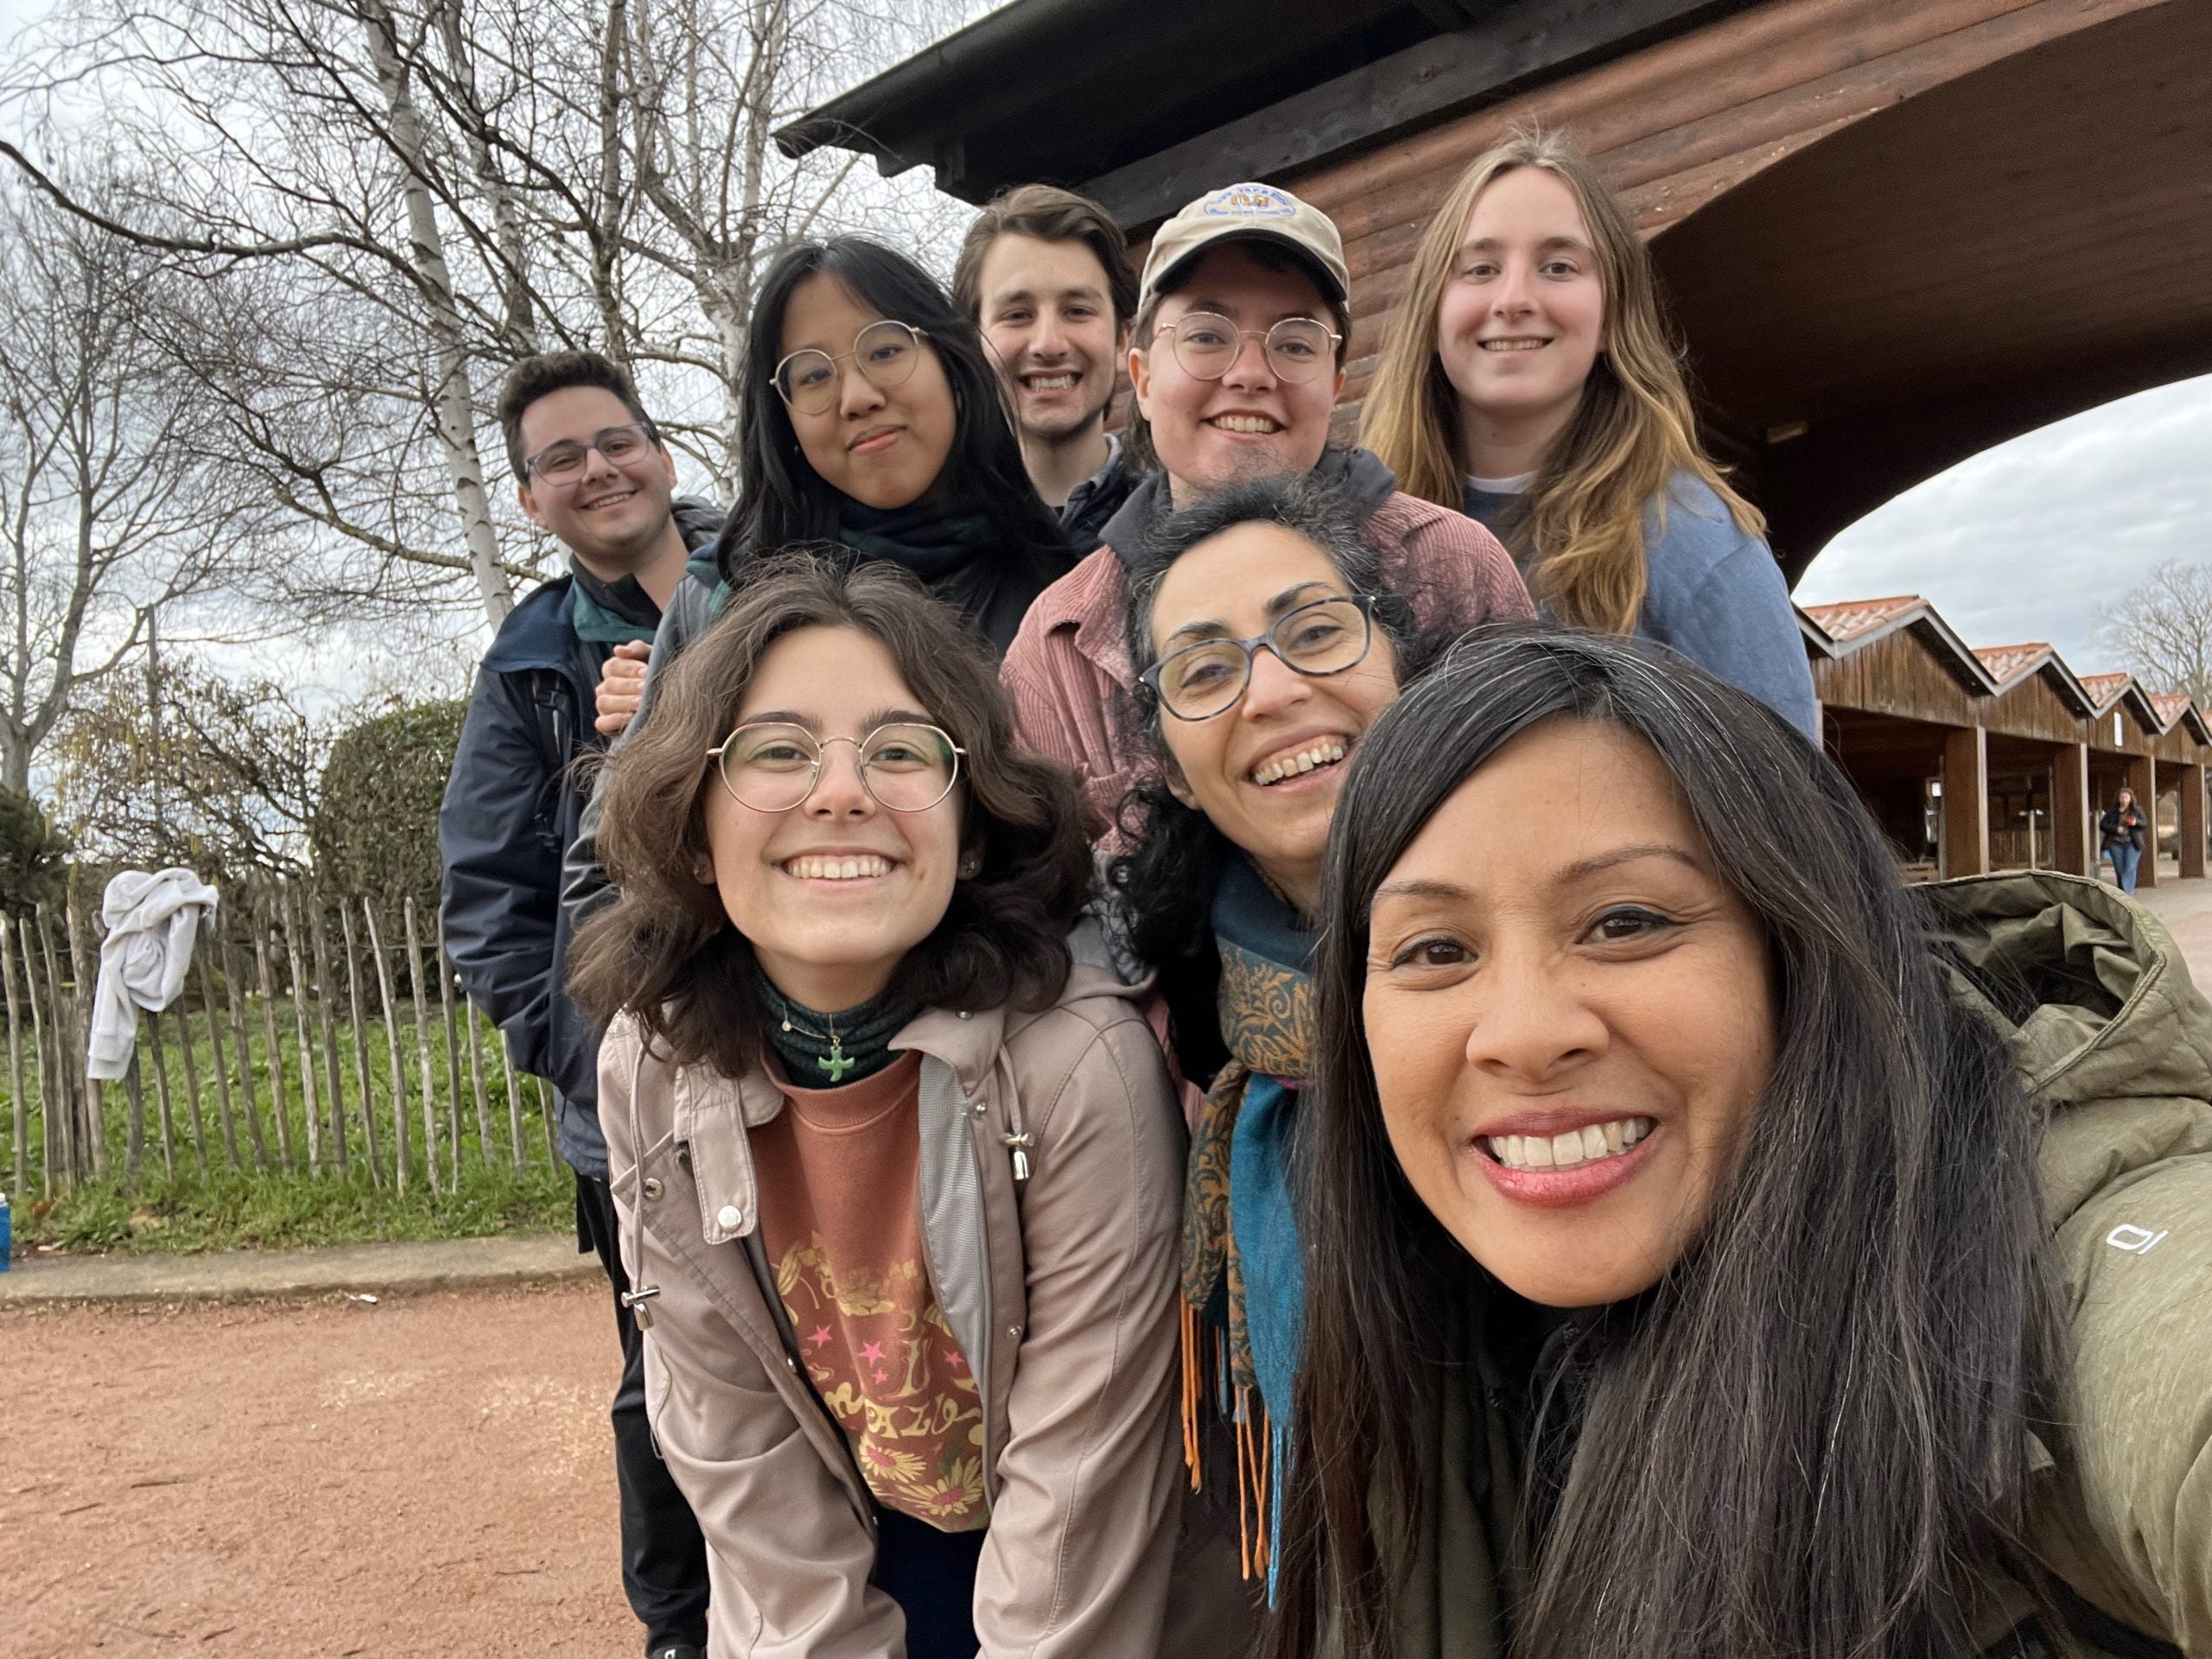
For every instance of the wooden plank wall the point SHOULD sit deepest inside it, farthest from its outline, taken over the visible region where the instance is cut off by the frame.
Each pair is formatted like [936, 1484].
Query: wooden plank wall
[1677, 126]
[1902, 676]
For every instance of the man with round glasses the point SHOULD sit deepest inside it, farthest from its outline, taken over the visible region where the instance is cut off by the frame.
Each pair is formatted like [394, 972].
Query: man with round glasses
[591, 469]
[1243, 325]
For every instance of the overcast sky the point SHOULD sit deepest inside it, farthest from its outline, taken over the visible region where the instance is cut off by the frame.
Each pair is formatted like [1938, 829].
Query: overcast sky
[2027, 541]
[2023, 542]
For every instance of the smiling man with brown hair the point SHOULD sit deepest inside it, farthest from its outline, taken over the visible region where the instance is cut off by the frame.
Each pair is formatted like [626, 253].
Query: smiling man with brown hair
[1046, 274]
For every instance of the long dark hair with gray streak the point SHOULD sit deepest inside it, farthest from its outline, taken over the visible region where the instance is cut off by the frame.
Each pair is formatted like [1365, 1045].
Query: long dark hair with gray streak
[1811, 1437]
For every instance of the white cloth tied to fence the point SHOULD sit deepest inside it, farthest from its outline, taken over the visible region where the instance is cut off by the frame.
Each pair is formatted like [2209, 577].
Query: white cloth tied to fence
[152, 921]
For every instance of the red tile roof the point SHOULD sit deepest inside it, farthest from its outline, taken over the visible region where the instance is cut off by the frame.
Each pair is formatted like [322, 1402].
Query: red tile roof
[1854, 617]
[2105, 687]
[2007, 663]
[2171, 705]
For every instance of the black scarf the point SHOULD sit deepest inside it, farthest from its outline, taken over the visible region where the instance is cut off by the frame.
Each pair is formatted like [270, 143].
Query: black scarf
[801, 1036]
[1356, 476]
[956, 551]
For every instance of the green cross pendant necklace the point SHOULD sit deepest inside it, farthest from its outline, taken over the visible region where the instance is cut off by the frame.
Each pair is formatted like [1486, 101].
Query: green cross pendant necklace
[836, 1065]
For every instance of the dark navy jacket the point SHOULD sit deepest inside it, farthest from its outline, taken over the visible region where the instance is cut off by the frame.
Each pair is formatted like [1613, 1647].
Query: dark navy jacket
[511, 807]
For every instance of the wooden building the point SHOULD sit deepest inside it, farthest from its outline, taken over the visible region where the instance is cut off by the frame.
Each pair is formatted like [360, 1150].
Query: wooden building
[1894, 234]
[2001, 757]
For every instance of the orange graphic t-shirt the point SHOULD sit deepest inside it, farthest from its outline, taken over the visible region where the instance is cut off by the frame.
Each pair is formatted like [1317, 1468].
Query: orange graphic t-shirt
[841, 1217]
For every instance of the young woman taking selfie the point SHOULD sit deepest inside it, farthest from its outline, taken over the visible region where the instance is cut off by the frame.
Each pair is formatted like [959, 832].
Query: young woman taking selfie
[1723, 1250]
[898, 1180]
[1531, 379]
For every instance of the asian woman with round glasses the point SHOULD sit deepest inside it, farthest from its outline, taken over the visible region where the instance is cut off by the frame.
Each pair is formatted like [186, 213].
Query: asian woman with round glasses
[868, 415]
[1266, 641]
[898, 1178]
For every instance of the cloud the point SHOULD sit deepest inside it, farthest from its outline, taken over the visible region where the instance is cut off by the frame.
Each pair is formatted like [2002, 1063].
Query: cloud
[2027, 541]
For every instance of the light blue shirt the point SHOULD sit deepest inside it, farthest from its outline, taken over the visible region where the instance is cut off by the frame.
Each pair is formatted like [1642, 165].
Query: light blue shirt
[1714, 593]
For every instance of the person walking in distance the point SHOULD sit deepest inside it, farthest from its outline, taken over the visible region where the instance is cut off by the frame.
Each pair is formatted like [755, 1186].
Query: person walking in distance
[1045, 275]
[591, 469]
[2122, 830]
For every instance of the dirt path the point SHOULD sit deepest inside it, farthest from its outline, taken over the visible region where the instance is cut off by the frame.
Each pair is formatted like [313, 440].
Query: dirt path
[429, 1476]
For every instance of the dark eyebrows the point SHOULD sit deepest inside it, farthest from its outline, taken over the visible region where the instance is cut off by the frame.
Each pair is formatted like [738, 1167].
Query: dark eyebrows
[1221, 308]
[781, 717]
[1290, 600]
[1028, 295]
[1620, 855]
[1445, 891]
[1207, 627]
[1453, 893]
[897, 717]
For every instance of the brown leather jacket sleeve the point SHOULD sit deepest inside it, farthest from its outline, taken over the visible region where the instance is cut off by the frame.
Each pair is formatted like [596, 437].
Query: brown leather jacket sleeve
[1083, 1535]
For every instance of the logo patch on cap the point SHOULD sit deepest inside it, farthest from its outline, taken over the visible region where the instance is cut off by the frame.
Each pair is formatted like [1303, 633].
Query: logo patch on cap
[1249, 201]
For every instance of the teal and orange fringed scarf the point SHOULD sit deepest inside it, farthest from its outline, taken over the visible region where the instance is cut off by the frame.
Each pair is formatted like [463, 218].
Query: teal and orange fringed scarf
[1243, 1276]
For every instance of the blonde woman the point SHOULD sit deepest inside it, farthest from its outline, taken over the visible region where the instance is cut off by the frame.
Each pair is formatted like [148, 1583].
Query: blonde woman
[1530, 380]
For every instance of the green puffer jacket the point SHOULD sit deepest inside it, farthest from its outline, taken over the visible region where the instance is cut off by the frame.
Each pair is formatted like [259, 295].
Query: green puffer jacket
[2119, 1049]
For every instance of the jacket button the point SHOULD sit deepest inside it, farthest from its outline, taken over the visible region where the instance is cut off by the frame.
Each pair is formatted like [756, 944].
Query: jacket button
[652, 1187]
[683, 1156]
[728, 1216]
[1013, 1331]
[965, 1014]
[977, 1107]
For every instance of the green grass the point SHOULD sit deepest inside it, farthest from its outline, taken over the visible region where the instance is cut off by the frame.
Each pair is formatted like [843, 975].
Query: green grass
[227, 1211]
[212, 1205]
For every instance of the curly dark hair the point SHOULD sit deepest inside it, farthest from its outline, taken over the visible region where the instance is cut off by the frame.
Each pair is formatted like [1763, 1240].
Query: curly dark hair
[664, 949]
[1166, 879]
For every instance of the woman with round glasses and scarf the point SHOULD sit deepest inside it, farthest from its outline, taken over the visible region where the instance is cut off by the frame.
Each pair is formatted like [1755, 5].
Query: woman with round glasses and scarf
[1265, 642]
[897, 1178]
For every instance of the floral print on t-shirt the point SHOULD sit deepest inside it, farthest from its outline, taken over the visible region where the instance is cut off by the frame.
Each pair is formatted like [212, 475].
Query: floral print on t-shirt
[883, 1359]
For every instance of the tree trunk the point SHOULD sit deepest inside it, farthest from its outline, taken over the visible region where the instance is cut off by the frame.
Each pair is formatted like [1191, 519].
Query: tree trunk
[453, 407]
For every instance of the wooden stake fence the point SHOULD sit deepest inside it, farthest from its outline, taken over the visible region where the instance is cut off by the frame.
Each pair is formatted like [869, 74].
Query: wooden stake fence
[272, 1079]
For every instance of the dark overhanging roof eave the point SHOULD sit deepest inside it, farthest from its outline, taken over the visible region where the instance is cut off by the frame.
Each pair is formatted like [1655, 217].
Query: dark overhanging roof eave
[920, 111]
[849, 120]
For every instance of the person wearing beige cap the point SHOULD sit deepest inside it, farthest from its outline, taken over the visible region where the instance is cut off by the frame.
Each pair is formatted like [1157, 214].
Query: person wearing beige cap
[1243, 320]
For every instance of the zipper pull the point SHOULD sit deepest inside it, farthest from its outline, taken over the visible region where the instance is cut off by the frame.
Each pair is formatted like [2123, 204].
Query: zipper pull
[1019, 1145]
[635, 1301]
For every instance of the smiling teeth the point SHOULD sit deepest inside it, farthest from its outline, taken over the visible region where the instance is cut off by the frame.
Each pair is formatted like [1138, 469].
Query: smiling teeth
[1051, 382]
[1255, 423]
[1583, 1146]
[837, 870]
[1513, 345]
[1289, 766]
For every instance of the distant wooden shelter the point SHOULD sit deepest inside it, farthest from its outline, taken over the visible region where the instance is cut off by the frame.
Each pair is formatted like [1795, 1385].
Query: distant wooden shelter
[1998, 757]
